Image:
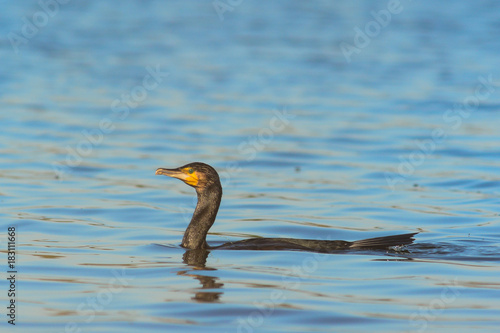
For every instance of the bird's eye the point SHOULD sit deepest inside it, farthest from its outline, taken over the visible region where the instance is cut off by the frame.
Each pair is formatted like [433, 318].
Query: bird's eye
[190, 171]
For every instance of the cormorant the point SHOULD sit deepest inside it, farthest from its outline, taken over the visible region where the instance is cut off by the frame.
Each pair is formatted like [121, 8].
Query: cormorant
[207, 184]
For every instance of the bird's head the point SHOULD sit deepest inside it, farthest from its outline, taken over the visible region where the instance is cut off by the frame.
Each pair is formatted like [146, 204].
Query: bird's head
[196, 174]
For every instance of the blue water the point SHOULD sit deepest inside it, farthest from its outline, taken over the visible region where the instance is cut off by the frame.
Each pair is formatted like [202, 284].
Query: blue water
[325, 120]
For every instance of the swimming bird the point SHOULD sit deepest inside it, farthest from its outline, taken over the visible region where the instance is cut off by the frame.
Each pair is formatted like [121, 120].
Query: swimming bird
[208, 188]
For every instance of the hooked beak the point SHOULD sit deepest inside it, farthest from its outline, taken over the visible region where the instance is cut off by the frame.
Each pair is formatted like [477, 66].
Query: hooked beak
[190, 179]
[175, 173]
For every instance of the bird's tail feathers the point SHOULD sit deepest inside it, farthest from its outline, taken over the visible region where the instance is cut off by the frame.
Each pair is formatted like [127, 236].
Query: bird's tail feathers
[384, 242]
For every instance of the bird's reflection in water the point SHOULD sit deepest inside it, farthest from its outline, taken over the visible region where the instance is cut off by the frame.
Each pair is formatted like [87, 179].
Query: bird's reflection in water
[197, 259]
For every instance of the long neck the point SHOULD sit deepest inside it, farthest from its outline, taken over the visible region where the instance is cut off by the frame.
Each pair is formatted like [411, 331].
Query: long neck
[203, 217]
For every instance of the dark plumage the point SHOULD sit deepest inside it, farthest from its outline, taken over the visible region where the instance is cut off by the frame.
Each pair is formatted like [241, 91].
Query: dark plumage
[206, 181]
